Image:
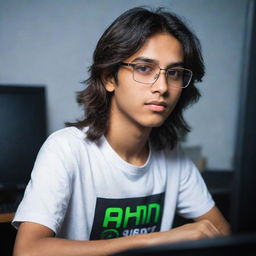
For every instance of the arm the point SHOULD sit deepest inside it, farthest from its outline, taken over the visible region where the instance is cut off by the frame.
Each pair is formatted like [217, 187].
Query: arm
[217, 219]
[35, 239]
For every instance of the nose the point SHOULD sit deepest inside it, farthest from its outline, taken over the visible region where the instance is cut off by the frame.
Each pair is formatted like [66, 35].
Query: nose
[160, 85]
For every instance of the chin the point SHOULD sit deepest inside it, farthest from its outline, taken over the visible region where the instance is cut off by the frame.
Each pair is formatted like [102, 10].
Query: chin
[155, 124]
[152, 121]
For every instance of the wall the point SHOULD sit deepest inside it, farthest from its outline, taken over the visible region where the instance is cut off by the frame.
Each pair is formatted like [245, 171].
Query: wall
[51, 43]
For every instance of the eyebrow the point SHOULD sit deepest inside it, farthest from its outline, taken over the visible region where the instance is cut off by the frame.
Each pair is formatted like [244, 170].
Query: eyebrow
[148, 60]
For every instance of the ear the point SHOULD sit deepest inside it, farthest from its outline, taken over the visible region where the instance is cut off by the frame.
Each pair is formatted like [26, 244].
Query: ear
[109, 83]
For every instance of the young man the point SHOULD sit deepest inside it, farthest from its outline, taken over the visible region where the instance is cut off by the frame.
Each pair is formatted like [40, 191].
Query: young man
[120, 173]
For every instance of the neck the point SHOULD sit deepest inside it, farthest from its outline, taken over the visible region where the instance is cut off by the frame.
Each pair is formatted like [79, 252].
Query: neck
[130, 142]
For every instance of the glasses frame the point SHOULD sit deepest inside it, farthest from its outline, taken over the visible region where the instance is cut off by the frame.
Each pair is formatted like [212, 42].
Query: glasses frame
[158, 74]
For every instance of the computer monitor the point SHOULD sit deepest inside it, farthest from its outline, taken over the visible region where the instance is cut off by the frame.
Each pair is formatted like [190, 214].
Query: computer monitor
[243, 197]
[238, 245]
[22, 132]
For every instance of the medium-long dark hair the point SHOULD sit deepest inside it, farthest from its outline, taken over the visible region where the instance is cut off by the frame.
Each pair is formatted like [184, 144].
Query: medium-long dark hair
[124, 37]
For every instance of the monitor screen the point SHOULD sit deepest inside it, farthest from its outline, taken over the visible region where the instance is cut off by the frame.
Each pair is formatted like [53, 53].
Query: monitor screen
[22, 132]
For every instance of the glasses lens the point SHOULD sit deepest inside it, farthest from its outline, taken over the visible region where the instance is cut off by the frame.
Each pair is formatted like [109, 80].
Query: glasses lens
[145, 73]
[178, 77]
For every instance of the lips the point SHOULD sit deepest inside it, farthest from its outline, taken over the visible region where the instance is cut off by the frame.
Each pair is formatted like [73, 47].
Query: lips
[156, 106]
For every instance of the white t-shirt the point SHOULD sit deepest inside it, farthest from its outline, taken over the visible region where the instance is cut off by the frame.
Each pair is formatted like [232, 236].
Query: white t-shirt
[85, 191]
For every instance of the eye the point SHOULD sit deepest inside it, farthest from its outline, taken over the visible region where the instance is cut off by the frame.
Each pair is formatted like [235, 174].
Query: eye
[144, 68]
[175, 73]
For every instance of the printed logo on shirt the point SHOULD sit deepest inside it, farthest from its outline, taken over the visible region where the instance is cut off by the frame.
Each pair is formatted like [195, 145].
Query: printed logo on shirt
[125, 217]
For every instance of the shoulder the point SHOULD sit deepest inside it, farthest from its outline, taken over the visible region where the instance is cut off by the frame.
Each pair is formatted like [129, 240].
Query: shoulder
[63, 143]
[177, 160]
[61, 151]
[66, 137]
[175, 154]
[68, 133]
[173, 160]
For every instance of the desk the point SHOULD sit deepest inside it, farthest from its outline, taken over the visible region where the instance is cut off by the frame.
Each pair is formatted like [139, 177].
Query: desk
[6, 217]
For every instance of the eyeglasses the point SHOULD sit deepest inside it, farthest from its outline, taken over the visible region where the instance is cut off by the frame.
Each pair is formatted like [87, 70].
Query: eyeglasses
[148, 73]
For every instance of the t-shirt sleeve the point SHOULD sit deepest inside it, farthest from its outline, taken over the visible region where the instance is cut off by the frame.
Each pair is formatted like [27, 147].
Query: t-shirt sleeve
[194, 199]
[47, 194]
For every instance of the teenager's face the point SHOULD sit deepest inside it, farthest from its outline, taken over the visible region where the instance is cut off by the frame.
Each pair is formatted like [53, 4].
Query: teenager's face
[142, 104]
